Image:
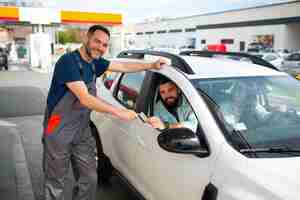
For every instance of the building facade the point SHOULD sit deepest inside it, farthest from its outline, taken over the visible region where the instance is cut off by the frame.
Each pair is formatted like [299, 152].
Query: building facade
[277, 26]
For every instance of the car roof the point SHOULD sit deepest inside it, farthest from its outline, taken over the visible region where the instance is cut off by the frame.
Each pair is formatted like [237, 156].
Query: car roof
[203, 67]
[224, 68]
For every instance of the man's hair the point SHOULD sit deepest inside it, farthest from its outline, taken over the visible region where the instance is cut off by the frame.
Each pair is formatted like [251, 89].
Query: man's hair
[94, 28]
[163, 80]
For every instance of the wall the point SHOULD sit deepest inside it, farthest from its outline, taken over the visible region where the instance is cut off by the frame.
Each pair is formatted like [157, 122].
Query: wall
[292, 37]
[213, 36]
[285, 36]
[246, 34]
[173, 40]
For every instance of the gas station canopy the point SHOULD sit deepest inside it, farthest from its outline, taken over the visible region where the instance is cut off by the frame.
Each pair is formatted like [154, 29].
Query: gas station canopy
[56, 16]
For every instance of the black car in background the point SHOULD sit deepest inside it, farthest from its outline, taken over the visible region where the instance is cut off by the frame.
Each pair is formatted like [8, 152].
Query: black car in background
[3, 59]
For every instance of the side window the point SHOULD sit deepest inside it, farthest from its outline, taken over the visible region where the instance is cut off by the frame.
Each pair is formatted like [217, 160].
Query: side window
[129, 88]
[171, 106]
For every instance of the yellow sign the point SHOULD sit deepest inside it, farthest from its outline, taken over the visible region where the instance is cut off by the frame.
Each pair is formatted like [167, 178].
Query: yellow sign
[90, 17]
[9, 13]
[48, 16]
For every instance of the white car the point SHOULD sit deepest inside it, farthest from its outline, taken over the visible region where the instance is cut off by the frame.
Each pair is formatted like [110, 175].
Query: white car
[247, 144]
[292, 62]
[275, 59]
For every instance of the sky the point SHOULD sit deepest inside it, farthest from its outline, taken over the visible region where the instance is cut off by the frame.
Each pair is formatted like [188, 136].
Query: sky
[135, 11]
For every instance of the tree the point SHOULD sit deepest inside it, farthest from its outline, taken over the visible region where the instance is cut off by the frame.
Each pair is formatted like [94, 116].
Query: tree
[69, 36]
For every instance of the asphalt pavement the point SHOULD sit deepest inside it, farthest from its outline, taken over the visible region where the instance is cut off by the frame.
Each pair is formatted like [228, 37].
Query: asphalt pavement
[21, 175]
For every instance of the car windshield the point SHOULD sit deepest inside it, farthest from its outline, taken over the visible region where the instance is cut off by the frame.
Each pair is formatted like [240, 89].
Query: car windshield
[265, 111]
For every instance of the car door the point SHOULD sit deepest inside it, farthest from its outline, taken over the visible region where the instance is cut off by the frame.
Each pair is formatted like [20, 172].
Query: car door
[117, 139]
[105, 85]
[166, 175]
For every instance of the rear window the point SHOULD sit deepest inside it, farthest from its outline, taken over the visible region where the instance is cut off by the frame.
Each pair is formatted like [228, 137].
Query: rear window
[21, 101]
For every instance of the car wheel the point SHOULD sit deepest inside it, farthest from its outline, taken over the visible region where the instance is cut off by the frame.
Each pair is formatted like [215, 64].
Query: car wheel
[104, 166]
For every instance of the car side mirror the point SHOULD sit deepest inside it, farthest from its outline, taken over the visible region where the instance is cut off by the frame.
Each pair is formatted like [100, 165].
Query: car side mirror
[181, 140]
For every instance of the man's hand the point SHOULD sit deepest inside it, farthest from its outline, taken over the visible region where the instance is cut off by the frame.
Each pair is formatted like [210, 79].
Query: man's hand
[177, 125]
[157, 64]
[155, 122]
[126, 115]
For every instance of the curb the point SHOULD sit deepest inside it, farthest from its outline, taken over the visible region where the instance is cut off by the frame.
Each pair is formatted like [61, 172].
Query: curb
[23, 180]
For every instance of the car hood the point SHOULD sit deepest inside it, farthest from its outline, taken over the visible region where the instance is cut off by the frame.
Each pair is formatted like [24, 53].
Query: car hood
[280, 176]
[241, 177]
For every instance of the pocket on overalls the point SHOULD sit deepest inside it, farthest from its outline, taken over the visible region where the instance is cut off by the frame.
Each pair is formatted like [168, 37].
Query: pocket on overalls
[52, 124]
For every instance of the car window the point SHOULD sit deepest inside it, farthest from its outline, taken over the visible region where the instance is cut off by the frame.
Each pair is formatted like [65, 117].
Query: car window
[294, 57]
[129, 88]
[176, 110]
[270, 58]
[265, 110]
[21, 101]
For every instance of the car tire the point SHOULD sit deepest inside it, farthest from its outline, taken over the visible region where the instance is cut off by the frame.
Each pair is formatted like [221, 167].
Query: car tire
[104, 166]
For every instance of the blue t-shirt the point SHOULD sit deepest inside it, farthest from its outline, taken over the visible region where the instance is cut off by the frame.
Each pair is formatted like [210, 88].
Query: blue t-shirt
[67, 70]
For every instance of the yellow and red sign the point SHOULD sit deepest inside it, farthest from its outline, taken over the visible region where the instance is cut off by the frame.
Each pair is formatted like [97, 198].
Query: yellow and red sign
[33, 16]
[9, 13]
[90, 17]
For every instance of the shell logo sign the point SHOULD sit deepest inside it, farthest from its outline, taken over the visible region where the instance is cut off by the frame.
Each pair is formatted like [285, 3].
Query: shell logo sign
[9, 14]
[48, 16]
[89, 17]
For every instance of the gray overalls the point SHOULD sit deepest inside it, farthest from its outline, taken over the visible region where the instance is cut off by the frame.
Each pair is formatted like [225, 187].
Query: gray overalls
[67, 138]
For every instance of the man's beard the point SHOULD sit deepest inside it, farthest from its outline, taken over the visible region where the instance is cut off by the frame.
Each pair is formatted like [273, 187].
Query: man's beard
[171, 105]
[88, 51]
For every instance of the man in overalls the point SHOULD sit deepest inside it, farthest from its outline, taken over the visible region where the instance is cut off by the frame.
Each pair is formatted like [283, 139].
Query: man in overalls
[67, 136]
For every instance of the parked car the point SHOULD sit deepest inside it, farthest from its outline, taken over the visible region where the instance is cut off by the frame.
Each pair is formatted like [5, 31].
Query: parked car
[275, 59]
[283, 52]
[259, 47]
[255, 47]
[292, 62]
[3, 59]
[247, 144]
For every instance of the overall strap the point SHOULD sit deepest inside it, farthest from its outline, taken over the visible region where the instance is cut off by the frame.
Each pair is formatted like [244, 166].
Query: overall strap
[77, 58]
[94, 72]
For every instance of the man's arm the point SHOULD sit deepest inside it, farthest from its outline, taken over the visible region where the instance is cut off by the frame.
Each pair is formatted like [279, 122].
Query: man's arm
[118, 66]
[81, 92]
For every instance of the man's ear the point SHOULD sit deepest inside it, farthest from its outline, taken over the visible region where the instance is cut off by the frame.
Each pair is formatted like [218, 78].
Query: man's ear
[84, 37]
